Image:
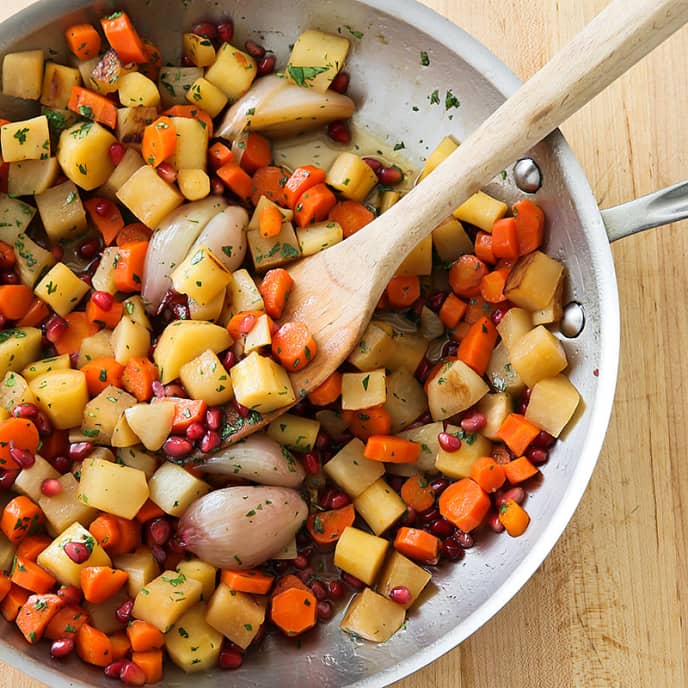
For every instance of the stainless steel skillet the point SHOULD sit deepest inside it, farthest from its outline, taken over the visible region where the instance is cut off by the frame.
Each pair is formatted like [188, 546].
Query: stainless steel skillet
[390, 82]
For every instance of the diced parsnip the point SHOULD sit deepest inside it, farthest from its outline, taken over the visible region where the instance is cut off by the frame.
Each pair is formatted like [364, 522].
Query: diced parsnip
[427, 437]
[318, 237]
[268, 253]
[263, 203]
[194, 184]
[360, 554]
[553, 312]
[290, 551]
[14, 389]
[200, 275]
[58, 81]
[65, 508]
[533, 281]
[192, 144]
[207, 96]
[131, 123]
[113, 488]
[83, 154]
[15, 217]
[408, 351]
[62, 212]
[201, 571]
[31, 177]
[451, 241]
[193, 644]
[141, 567]
[199, 50]
[104, 277]
[514, 325]
[183, 340]
[131, 162]
[173, 489]
[55, 560]
[402, 571]
[148, 196]
[538, 355]
[124, 437]
[553, 402]
[7, 551]
[98, 345]
[235, 614]
[332, 422]
[419, 261]
[61, 289]
[135, 310]
[32, 260]
[103, 615]
[86, 68]
[232, 72]
[502, 374]
[46, 365]
[59, 119]
[363, 390]
[259, 336]
[211, 311]
[151, 423]
[389, 198]
[206, 378]
[315, 49]
[380, 506]
[261, 384]
[134, 457]
[166, 598]
[27, 139]
[29, 480]
[481, 210]
[22, 74]
[175, 82]
[103, 411]
[351, 470]
[373, 617]
[351, 176]
[406, 400]
[458, 464]
[18, 348]
[454, 389]
[107, 72]
[444, 149]
[137, 90]
[496, 407]
[129, 339]
[294, 432]
[375, 348]
[243, 293]
[62, 396]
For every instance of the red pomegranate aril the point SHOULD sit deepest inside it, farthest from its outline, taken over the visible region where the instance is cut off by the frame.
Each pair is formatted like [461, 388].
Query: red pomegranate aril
[400, 594]
[195, 431]
[176, 545]
[266, 65]
[123, 612]
[25, 410]
[86, 279]
[473, 422]
[78, 451]
[430, 515]
[158, 388]
[319, 590]
[335, 589]
[9, 277]
[229, 360]
[89, 249]
[441, 528]
[311, 462]
[439, 485]
[167, 172]
[518, 494]
[7, 257]
[340, 83]
[396, 482]
[544, 440]
[113, 670]
[205, 29]
[103, 300]
[498, 313]
[494, 522]
[423, 370]
[23, 457]
[538, 456]
[409, 518]
[159, 531]
[43, 424]
[217, 188]
[436, 300]
[352, 581]
[214, 418]
[301, 561]
[61, 648]
[449, 549]
[247, 324]
[55, 328]
[374, 164]
[175, 390]
[325, 500]
[390, 176]
[225, 31]
[177, 447]
[62, 464]
[464, 539]
[449, 442]
[57, 252]
[255, 50]
[132, 674]
[159, 554]
[51, 487]
[210, 441]
[339, 500]
[7, 479]
[230, 659]
[242, 410]
[77, 552]
[186, 61]
[103, 207]
[339, 131]
[325, 610]
[304, 575]
[69, 594]
[116, 152]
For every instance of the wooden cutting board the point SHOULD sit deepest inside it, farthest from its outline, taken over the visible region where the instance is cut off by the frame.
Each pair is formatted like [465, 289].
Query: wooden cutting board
[607, 608]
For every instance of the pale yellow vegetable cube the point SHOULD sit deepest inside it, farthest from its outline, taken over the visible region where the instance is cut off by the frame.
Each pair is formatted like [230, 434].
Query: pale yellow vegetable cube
[86, 68]
[402, 571]
[389, 198]
[96, 346]
[553, 312]
[261, 384]
[22, 74]
[211, 311]
[137, 90]
[31, 177]
[444, 149]
[236, 615]
[192, 144]
[496, 407]
[152, 423]
[271, 252]
[206, 378]
[351, 176]
[502, 374]
[194, 184]
[62, 396]
[62, 211]
[351, 470]
[15, 217]
[375, 348]
[454, 389]
[373, 617]
[14, 389]
[29, 480]
[46, 365]
[458, 464]
[106, 73]
[294, 432]
[134, 457]
[316, 59]
[65, 508]
[19, 347]
[175, 82]
[259, 336]
[553, 401]
[201, 571]
[104, 277]
[243, 293]
[207, 96]
[193, 644]
[173, 489]
[263, 203]
[132, 123]
[83, 154]
[201, 275]
[61, 289]
[427, 437]
[103, 615]
[129, 340]
[102, 413]
[54, 559]
[408, 351]
[481, 210]
[232, 72]
[135, 310]
[32, 260]
[533, 281]
[360, 554]
[406, 400]
[538, 355]
[149, 197]
[166, 598]
[380, 506]
[141, 567]
[318, 237]
[363, 390]
[28, 139]
[419, 261]
[130, 163]
[7, 552]
[113, 488]
[58, 81]
[514, 325]
[199, 50]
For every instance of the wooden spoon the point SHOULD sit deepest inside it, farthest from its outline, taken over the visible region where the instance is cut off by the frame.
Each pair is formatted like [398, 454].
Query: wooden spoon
[336, 291]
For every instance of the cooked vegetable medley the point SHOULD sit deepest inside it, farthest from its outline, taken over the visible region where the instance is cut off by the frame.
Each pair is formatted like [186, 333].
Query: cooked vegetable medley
[144, 232]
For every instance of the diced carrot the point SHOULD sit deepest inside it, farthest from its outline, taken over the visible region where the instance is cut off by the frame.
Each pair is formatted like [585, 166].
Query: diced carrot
[328, 392]
[110, 224]
[483, 248]
[517, 433]
[465, 275]
[219, 155]
[294, 611]
[391, 449]
[192, 112]
[519, 470]
[505, 238]
[30, 576]
[30, 547]
[129, 268]
[403, 291]
[368, 422]
[35, 315]
[35, 615]
[452, 311]
[15, 300]
[130, 536]
[314, 205]
[257, 152]
[5, 586]
[302, 179]
[242, 323]
[465, 504]
[150, 663]
[66, 623]
[275, 289]
[78, 328]
[251, 580]
[83, 40]
[132, 233]
[513, 517]
[151, 67]
[186, 411]
[418, 545]
[351, 216]
[418, 493]
[101, 372]
[99, 316]
[236, 180]
[138, 377]
[93, 646]
[93, 106]
[159, 141]
[326, 527]
[530, 226]
[477, 308]
[270, 222]
[123, 38]
[21, 517]
[270, 182]
[106, 532]
[13, 602]
[488, 474]
[121, 646]
[150, 510]
[100, 583]
[143, 636]
[7, 256]
[492, 285]
[476, 347]
[294, 346]
[286, 582]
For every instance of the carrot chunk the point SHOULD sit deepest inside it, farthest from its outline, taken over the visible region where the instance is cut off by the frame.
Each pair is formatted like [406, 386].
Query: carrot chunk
[302, 179]
[15, 300]
[465, 275]
[488, 473]
[403, 291]
[328, 392]
[159, 141]
[93, 106]
[418, 545]
[368, 422]
[513, 517]
[129, 268]
[519, 470]
[93, 646]
[476, 347]
[351, 216]
[418, 493]
[257, 152]
[21, 517]
[465, 504]
[294, 611]
[83, 40]
[294, 346]
[35, 615]
[138, 377]
[275, 289]
[101, 372]
[143, 636]
[326, 527]
[100, 583]
[124, 38]
[517, 433]
[314, 205]
[251, 581]
[391, 449]
[530, 226]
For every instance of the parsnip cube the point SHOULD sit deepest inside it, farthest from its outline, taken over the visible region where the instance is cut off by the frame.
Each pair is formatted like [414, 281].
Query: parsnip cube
[232, 72]
[14, 389]
[46, 365]
[294, 432]
[129, 340]
[553, 312]
[402, 571]
[454, 389]
[29, 480]
[451, 241]
[200, 275]
[124, 436]
[175, 82]
[173, 489]
[62, 396]
[201, 571]
[419, 261]
[58, 81]
[444, 149]
[22, 74]
[141, 567]
[28, 139]
[98, 345]
[86, 68]
[102, 413]
[495, 407]
[243, 293]
[192, 144]
[389, 198]
[113, 488]
[406, 400]
[259, 336]
[62, 211]
[137, 90]
[380, 506]
[318, 237]
[32, 260]
[538, 355]
[363, 390]
[351, 470]
[103, 615]
[261, 384]
[236, 615]
[427, 437]
[194, 184]
[31, 177]
[131, 162]
[458, 464]
[152, 423]
[61, 289]
[54, 559]
[15, 217]
[106, 73]
[207, 96]
[83, 154]
[137, 458]
[514, 325]
[375, 348]
[553, 401]
[360, 554]
[206, 378]
[193, 644]
[408, 352]
[199, 50]
[263, 203]
[136, 310]
[104, 277]
[481, 210]
[132, 122]
[166, 598]
[351, 176]
[18, 348]
[373, 617]
[325, 53]
[502, 374]
[533, 281]
[271, 252]
[149, 197]
[210, 311]
[65, 508]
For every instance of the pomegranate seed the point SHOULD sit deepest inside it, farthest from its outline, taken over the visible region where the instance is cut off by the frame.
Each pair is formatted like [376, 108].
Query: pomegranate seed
[498, 313]
[242, 410]
[104, 207]
[61, 648]
[439, 485]
[103, 300]
[266, 64]
[51, 487]
[304, 575]
[23, 457]
[301, 561]
[113, 670]
[441, 528]
[430, 515]
[311, 462]
[86, 279]
[176, 545]
[352, 581]
[43, 424]
[159, 554]
[159, 531]
[210, 441]
[116, 151]
[57, 252]
[70, 594]
[518, 494]
[7, 257]
[409, 518]
[247, 323]
[225, 31]
[205, 29]
[538, 456]
[214, 418]
[423, 370]
[55, 328]
[80, 450]
[217, 187]
[132, 674]
[230, 659]
[77, 552]
[319, 590]
[167, 172]
[186, 61]
[195, 431]
[7, 479]
[62, 464]
[325, 500]
[339, 500]
[450, 348]
[322, 441]
[177, 447]
[400, 594]
[544, 440]
[449, 549]
[340, 83]
[9, 277]
[89, 249]
[25, 411]
[123, 612]
[391, 176]
[175, 390]
[436, 300]
[325, 610]
[335, 589]
[158, 388]
[229, 360]
[449, 442]
[464, 539]
[395, 482]
[494, 522]
[473, 422]
[339, 131]
[254, 50]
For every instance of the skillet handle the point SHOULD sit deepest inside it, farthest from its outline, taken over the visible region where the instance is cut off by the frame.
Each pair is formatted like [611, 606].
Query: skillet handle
[659, 208]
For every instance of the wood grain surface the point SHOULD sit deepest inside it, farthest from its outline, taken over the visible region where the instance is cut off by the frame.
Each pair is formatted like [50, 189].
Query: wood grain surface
[608, 606]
